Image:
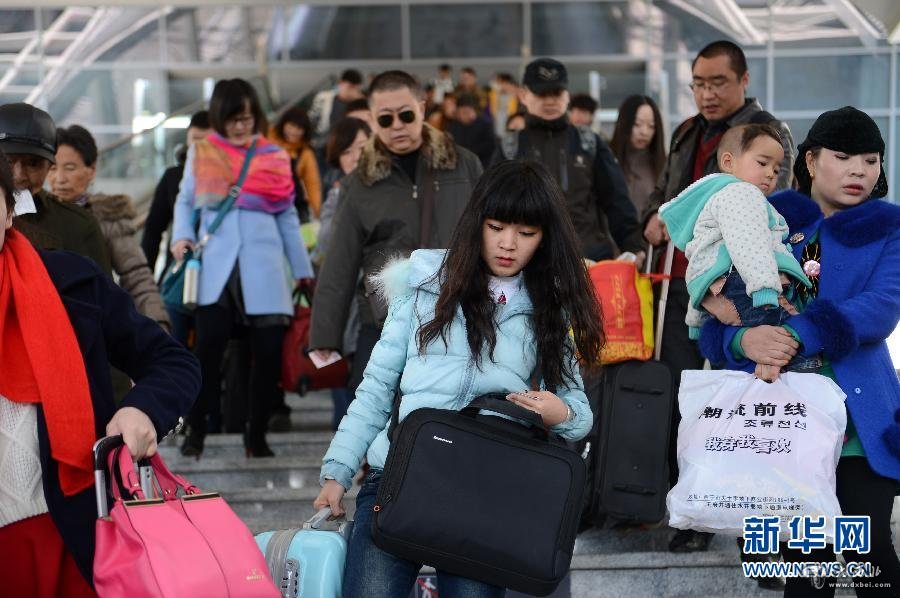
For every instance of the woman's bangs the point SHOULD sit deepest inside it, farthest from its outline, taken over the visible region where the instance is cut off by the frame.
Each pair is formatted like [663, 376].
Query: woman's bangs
[514, 202]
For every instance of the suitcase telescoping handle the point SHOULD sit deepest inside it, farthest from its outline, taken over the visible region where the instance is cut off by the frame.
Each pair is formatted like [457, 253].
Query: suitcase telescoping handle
[663, 293]
[323, 521]
[102, 449]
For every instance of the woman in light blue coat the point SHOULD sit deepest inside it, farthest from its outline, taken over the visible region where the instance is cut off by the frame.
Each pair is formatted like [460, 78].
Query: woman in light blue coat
[491, 314]
[243, 280]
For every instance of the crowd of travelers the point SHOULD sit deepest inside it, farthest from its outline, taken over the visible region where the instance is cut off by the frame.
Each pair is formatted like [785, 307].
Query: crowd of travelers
[453, 222]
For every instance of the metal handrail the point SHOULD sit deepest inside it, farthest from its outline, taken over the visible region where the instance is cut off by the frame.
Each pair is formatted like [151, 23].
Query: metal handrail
[323, 83]
[299, 99]
[184, 111]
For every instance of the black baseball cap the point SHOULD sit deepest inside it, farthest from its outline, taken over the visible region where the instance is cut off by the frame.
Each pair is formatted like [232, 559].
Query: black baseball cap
[545, 76]
[25, 129]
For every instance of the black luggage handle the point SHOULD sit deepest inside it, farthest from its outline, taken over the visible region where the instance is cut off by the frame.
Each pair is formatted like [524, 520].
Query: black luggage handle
[102, 449]
[498, 403]
[494, 401]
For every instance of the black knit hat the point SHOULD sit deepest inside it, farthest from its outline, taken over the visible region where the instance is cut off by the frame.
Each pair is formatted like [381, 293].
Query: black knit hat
[846, 130]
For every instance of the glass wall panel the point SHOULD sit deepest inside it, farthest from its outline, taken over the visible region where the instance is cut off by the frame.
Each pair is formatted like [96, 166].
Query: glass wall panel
[143, 157]
[17, 30]
[218, 34]
[616, 81]
[578, 28]
[461, 30]
[686, 32]
[17, 20]
[182, 29]
[831, 81]
[183, 92]
[25, 77]
[132, 98]
[124, 34]
[341, 33]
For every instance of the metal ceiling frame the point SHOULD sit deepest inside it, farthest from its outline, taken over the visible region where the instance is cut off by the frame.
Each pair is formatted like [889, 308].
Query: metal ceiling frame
[785, 20]
[75, 30]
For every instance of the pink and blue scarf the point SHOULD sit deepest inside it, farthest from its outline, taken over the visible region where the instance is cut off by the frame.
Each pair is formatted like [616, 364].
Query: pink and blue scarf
[268, 187]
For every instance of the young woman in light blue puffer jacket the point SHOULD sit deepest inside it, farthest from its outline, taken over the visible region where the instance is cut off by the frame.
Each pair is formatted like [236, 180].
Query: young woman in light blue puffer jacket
[491, 314]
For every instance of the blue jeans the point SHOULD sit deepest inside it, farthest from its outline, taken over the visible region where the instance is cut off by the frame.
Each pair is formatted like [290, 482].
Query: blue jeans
[340, 398]
[736, 292]
[373, 573]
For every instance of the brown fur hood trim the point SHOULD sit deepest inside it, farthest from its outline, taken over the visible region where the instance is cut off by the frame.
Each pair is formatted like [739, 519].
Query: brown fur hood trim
[112, 207]
[438, 151]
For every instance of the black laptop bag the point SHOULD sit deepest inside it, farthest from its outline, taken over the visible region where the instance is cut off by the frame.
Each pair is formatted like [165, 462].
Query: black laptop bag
[481, 496]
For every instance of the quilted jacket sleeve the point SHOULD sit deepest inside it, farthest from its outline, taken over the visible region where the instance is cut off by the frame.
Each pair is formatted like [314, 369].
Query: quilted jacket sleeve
[371, 409]
[573, 396]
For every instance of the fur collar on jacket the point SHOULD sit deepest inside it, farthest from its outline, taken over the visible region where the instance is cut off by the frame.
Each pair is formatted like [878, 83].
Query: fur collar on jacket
[438, 151]
[401, 275]
[111, 207]
[860, 225]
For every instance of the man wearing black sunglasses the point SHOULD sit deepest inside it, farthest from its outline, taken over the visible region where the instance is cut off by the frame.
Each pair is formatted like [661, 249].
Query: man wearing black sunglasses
[593, 184]
[408, 192]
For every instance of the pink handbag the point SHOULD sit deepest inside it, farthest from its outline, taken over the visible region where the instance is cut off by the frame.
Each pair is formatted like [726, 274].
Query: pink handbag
[169, 545]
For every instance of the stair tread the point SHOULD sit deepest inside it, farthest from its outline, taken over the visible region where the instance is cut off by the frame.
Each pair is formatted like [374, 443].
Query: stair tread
[278, 494]
[187, 465]
[273, 438]
[655, 559]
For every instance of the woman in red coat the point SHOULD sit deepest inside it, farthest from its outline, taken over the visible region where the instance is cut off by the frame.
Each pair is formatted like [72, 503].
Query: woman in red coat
[62, 322]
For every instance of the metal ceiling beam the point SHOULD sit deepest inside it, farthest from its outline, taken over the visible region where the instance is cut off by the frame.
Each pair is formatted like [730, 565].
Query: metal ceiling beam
[856, 21]
[703, 13]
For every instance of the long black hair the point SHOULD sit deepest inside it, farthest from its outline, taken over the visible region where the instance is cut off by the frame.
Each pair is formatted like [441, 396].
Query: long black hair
[521, 192]
[621, 138]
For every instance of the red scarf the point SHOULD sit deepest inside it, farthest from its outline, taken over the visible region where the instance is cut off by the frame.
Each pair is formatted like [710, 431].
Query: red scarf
[41, 362]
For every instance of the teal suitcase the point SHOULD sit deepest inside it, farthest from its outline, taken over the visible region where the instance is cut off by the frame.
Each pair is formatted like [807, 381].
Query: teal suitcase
[308, 562]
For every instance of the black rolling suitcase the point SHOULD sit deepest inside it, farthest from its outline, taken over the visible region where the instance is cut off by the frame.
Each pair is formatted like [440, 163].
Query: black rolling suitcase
[634, 415]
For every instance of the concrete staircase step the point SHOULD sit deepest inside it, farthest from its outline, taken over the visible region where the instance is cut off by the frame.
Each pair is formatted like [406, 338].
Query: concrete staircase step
[279, 508]
[231, 446]
[636, 562]
[308, 420]
[319, 400]
[590, 578]
[236, 474]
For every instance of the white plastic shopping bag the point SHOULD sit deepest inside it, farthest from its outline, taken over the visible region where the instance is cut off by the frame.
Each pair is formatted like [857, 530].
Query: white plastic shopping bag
[749, 448]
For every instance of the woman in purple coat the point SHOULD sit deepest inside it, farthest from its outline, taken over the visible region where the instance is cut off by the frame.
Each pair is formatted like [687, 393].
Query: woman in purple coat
[849, 244]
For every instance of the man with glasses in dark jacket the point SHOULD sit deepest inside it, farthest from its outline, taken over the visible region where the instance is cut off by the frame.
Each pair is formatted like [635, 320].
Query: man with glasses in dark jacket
[719, 82]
